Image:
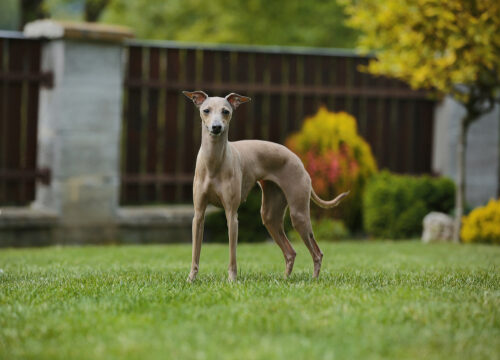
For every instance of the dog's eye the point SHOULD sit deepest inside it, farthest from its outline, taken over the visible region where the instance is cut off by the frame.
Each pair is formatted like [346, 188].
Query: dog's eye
[225, 111]
[206, 111]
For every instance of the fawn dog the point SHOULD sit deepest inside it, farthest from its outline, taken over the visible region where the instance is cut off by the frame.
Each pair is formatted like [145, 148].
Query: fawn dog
[227, 171]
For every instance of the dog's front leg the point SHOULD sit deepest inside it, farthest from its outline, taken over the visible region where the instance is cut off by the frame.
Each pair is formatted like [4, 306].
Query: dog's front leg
[198, 223]
[232, 226]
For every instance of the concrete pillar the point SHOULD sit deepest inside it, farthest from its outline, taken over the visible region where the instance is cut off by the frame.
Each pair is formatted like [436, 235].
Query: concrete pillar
[483, 150]
[80, 127]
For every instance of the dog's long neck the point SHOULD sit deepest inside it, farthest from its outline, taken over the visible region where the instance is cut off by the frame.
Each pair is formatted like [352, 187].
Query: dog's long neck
[214, 149]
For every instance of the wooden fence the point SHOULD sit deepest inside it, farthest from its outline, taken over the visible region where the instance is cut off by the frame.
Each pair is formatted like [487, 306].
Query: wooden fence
[161, 128]
[20, 80]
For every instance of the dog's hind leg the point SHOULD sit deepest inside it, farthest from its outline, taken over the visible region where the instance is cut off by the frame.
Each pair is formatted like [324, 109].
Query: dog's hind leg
[273, 211]
[299, 212]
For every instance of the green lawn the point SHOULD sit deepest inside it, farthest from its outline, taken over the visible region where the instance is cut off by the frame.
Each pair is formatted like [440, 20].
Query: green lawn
[374, 300]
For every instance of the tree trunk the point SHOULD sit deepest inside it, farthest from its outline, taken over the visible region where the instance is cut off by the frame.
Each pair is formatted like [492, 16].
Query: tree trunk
[31, 10]
[94, 9]
[460, 190]
[498, 165]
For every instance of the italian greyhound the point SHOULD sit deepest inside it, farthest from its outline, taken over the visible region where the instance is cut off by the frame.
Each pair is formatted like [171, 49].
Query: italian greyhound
[226, 172]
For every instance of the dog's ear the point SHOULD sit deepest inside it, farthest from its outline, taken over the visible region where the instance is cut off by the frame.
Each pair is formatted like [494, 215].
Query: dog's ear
[236, 100]
[198, 97]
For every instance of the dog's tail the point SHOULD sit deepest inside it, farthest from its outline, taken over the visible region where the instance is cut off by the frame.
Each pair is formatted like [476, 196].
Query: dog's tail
[327, 204]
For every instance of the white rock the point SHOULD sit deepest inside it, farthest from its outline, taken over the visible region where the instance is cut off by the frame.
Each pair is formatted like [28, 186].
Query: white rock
[438, 227]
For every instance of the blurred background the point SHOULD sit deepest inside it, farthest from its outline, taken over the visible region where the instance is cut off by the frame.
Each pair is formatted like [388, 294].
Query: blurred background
[258, 22]
[98, 145]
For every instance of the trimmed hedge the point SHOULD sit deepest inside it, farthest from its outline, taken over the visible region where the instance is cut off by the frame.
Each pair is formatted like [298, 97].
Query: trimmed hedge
[395, 205]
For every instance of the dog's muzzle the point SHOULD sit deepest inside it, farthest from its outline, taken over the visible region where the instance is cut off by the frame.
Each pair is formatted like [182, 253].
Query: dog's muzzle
[216, 129]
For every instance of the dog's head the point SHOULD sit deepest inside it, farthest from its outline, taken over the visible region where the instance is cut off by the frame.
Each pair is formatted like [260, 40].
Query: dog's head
[216, 112]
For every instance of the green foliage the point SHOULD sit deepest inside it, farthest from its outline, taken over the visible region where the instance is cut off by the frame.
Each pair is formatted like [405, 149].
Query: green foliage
[409, 221]
[324, 230]
[434, 44]
[395, 205]
[9, 15]
[257, 22]
[250, 228]
[261, 22]
[337, 158]
[373, 300]
[482, 225]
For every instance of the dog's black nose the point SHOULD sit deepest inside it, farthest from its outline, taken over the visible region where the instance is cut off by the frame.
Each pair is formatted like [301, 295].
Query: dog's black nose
[216, 129]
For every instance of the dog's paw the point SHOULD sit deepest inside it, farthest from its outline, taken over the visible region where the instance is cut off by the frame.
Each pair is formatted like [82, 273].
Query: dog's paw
[232, 276]
[191, 278]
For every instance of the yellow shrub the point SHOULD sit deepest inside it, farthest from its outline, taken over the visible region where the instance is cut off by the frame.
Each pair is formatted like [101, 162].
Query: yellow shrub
[482, 224]
[337, 158]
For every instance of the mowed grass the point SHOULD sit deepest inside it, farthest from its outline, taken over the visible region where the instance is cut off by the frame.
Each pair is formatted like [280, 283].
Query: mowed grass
[374, 300]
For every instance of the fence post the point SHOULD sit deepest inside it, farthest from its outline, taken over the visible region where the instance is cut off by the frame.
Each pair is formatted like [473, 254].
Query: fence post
[80, 126]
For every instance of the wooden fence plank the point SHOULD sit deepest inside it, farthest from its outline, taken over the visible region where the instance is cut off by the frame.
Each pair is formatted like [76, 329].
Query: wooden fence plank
[356, 112]
[3, 119]
[371, 134]
[241, 117]
[260, 65]
[32, 118]
[341, 72]
[133, 125]
[403, 136]
[13, 140]
[309, 70]
[152, 124]
[190, 118]
[387, 139]
[293, 120]
[225, 68]
[275, 99]
[170, 144]
[208, 67]
[394, 133]
[309, 106]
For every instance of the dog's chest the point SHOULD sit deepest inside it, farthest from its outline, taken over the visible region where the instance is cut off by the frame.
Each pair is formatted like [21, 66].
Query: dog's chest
[214, 194]
[222, 187]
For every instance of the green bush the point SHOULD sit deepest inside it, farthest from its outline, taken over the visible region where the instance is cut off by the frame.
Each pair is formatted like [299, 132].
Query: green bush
[395, 205]
[482, 225]
[324, 230]
[250, 228]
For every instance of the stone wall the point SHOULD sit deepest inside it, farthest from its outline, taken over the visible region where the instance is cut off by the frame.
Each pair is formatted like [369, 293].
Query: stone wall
[80, 127]
[79, 137]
